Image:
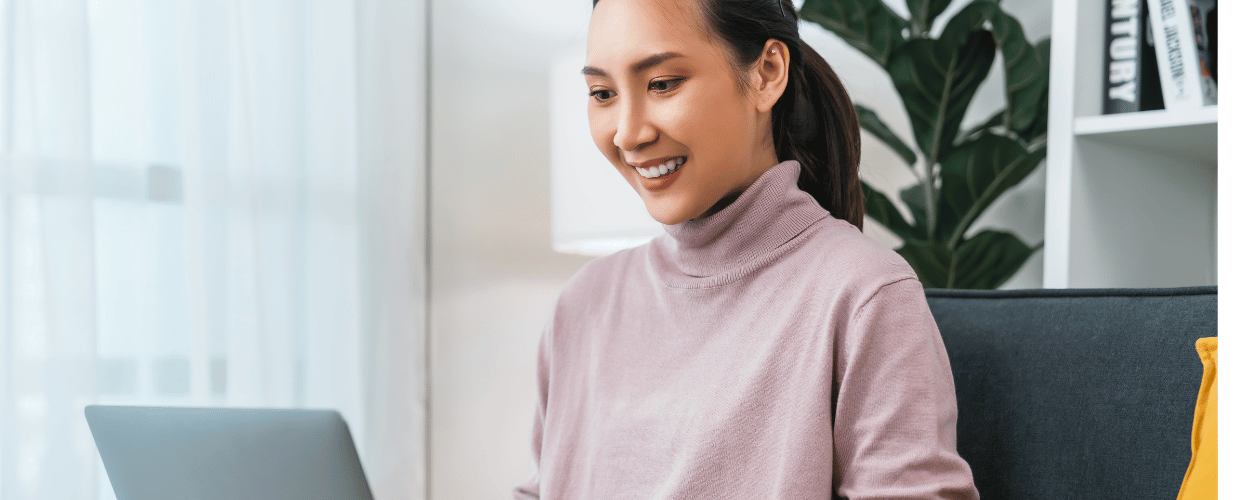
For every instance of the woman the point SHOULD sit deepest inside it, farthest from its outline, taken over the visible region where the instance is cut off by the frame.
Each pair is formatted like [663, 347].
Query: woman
[763, 348]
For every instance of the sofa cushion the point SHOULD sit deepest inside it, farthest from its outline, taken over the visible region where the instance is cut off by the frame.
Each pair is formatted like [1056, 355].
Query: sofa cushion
[1201, 478]
[1075, 393]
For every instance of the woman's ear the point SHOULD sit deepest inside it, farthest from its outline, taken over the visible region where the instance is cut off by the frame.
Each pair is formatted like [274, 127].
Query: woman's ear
[771, 75]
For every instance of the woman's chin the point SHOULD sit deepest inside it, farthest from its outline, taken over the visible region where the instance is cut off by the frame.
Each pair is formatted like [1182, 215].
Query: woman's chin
[669, 213]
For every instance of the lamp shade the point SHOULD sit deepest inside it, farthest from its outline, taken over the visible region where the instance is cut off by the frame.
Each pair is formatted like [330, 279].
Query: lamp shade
[594, 211]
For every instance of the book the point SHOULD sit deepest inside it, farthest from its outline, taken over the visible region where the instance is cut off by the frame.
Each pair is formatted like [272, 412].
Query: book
[1132, 81]
[1200, 10]
[1183, 68]
[1212, 33]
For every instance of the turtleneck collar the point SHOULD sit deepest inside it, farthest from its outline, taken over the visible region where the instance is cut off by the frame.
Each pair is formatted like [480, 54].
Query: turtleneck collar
[744, 236]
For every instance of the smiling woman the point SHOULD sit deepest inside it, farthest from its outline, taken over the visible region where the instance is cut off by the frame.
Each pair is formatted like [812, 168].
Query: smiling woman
[722, 105]
[763, 347]
[652, 116]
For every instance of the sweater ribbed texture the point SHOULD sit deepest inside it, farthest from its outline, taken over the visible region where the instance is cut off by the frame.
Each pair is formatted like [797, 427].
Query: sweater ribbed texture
[768, 351]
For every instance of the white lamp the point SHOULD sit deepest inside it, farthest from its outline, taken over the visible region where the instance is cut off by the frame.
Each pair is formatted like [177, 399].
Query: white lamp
[594, 211]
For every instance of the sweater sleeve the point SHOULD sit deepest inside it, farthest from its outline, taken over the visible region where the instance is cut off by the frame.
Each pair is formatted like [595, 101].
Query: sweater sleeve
[529, 490]
[895, 413]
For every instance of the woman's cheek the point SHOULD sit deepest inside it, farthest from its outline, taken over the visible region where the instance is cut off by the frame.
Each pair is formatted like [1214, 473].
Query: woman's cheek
[603, 139]
[720, 127]
[678, 117]
[699, 117]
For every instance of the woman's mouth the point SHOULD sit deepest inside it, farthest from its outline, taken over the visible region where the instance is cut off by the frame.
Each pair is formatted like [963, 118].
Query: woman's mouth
[666, 168]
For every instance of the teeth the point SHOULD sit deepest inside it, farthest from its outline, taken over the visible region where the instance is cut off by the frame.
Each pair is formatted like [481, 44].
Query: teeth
[661, 170]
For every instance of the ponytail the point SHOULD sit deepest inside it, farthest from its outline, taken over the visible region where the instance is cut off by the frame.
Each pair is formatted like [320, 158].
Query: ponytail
[814, 123]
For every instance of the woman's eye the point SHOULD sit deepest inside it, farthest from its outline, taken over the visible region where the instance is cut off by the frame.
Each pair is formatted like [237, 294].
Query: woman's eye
[665, 85]
[602, 95]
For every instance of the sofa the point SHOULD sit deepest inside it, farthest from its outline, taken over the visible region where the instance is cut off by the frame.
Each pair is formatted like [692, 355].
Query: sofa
[1076, 393]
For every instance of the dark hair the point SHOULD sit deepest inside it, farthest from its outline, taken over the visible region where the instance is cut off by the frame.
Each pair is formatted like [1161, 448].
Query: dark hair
[814, 121]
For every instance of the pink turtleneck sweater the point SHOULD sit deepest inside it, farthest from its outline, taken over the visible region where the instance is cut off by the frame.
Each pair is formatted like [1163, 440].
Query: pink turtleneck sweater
[769, 351]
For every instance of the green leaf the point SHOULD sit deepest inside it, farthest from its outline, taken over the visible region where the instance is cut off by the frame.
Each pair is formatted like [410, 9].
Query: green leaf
[914, 197]
[880, 208]
[987, 260]
[1037, 130]
[1043, 51]
[994, 121]
[1026, 79]
[870, 122]
[931, 262]
[936, 80]
[975, 175]
[868, 25]
[923, 13]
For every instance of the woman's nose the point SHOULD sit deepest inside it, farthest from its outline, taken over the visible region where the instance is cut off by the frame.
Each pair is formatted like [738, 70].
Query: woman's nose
[634, 131]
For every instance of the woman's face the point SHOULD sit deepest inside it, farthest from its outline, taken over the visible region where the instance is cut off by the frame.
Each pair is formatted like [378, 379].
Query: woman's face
[662, 90]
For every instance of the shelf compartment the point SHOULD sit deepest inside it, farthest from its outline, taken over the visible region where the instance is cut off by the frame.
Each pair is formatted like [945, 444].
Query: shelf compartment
[1140, 220]
[1190, 135]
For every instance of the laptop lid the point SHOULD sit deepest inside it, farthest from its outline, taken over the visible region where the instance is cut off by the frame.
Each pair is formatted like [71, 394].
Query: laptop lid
[210, 453]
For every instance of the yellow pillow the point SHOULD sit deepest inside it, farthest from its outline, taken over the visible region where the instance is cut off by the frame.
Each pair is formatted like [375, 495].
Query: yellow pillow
[1201, 479]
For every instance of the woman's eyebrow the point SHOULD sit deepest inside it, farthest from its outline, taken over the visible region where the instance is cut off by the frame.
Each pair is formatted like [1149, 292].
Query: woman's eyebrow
[637, 67]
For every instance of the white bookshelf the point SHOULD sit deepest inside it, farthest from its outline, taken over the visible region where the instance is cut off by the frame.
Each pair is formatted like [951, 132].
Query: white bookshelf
[1130, 198]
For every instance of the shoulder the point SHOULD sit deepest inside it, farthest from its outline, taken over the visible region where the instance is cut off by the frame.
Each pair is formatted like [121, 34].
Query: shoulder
[851, 266]
[599, 281]
[588, 300]
[853, 257]
[603, 271]
[874, 301]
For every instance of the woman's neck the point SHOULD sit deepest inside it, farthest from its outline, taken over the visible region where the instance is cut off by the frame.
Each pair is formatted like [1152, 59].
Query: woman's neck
[735, 193]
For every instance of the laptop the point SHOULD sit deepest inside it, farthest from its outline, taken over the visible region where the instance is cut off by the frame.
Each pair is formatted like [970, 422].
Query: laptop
[212, 453]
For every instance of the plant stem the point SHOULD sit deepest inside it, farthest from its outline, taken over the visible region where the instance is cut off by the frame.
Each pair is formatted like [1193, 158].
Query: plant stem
[932, 156]
[951, 272]
[928, 187]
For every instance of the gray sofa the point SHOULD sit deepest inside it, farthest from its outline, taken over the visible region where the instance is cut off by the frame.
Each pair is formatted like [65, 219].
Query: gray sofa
[1076, 393]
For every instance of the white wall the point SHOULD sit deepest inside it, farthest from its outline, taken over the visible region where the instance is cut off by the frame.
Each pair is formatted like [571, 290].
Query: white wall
[494, 277]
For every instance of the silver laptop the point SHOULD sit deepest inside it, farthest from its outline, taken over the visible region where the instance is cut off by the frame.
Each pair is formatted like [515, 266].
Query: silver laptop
[215, 453]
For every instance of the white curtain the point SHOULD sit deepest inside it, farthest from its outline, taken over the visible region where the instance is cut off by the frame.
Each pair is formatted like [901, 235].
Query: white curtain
[210, 203]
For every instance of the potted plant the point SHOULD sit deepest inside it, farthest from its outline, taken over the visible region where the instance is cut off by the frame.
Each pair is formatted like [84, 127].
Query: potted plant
[961, 172]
